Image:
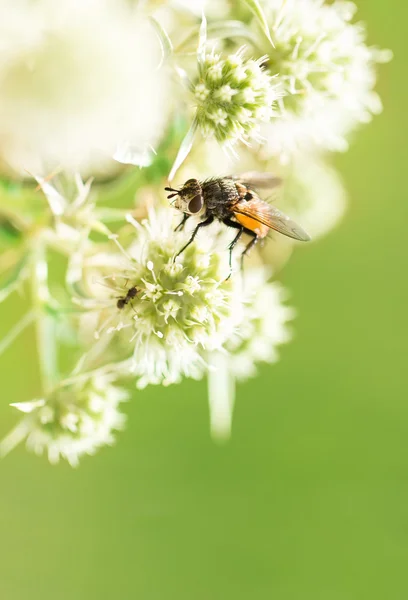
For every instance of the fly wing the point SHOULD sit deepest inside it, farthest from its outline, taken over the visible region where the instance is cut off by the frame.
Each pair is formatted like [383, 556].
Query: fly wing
[258, 180]
[273, 218]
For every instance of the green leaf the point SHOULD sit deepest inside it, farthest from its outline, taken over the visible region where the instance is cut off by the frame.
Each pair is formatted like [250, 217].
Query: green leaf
[56, 202]
[9, 234]
[165, 42]
[217, 31]
[202, 39]
[130, 154]
[15, 331]
[257, 10]
[230, 29]
[184, 150]
[11, 282]
[184, 78]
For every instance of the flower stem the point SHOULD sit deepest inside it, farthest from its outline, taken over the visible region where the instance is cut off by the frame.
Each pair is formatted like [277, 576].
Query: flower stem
[45, 323]
[221, 396]
[16, 330]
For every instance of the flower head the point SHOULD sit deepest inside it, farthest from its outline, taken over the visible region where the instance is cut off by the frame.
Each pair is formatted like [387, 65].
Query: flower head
[263, 328]
[72, 421]
[233, 96]
[182, 304]
[327, 72]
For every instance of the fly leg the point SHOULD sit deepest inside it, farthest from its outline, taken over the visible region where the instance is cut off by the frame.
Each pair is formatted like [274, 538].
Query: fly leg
[180, 226]
[248, 247]
[232, 245]
[231, 248]
[203, 224]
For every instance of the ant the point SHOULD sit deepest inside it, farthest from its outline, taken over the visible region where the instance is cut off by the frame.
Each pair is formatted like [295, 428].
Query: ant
[131, 293]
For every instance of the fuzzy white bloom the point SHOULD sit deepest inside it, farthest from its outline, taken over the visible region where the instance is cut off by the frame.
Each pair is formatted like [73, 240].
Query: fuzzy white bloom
[313, 194]
[233, 96]
[178, 306]
[263, 328]
[327, 72]
[74, 420]
[77, 80]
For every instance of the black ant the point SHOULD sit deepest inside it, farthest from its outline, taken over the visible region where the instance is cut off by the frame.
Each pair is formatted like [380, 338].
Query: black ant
[131, 293]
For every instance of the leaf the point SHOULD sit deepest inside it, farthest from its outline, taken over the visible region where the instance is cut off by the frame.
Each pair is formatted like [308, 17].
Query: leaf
[13, 439]
[184, 78]
[46, 327]
[216, 31]
[15, 331]
[10, 235]
[28, 407]
[184, 150]
[257, 10]
[202, 39]
[76, 262]
[82, 197]
[130, 154]
[230, 29]
[56, 202]
[164, 40]
[12, 281]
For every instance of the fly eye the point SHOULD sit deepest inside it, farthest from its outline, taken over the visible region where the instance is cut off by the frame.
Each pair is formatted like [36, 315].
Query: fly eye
[196, 204]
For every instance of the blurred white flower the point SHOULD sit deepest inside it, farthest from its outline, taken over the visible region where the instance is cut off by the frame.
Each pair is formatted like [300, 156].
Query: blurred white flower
[313, 194]
[79, 81]
[74, 420]
[174, 307]
[327, 71]
[263, 328]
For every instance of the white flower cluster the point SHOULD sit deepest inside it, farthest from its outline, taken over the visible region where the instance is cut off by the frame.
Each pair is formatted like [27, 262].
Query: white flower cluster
[233, 97]
[181, 305]
[182, 308]
[181, 312]
[86, 86]
[327, 73]
[72, 421]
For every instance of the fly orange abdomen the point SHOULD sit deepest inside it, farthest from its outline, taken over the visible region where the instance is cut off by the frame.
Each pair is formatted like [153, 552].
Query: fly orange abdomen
[255, 226]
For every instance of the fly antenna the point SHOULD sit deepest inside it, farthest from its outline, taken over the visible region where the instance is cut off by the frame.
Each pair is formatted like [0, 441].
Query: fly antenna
[170, 189]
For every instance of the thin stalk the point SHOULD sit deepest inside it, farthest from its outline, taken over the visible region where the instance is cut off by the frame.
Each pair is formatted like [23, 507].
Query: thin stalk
[221, 396]
[82, 377]
[45, 324]
[16, 330]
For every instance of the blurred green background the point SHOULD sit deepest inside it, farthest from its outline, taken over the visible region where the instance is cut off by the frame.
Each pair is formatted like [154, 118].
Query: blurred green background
[309, 500]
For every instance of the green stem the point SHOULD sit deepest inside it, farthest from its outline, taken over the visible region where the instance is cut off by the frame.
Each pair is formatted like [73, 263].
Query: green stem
[104, 370]
[16, 330]
[221, 396]
[45, 323]
[114, 193]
